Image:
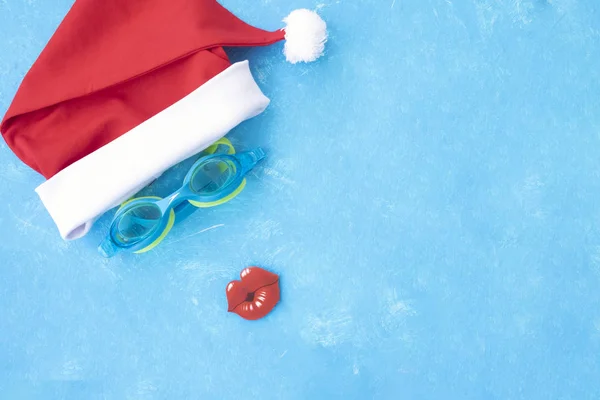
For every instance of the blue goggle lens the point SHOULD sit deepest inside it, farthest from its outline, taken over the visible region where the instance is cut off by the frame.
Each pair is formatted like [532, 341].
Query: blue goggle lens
[137, 223]
[213, 175]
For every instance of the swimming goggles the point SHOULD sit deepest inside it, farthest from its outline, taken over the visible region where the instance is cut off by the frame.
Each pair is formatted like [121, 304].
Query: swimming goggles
[142, 223]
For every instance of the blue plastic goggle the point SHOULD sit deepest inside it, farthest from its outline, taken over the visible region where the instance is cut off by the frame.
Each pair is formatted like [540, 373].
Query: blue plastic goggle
[142, 223]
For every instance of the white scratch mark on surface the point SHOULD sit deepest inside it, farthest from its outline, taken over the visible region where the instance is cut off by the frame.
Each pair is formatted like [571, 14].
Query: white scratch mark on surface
[396, 314]
[396, 306]
[105, 266]
[195, 301]
[146, 387]
[401, 307]
[323, 5]
[264, 229]
[25, 226]
[280, 253]
[328, 330]
[198, 273]
[283, 354]
[597, 326]
[273, 173]
[13, 172]
[355, 369]
[197, 233]
[393, 2]
[71, 369]
[529, 195]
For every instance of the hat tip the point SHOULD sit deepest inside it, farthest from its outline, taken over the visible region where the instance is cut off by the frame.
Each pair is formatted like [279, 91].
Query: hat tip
[305, 36]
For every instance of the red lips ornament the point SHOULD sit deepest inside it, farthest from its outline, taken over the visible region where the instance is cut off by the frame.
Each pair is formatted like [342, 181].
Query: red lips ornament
[255, 295]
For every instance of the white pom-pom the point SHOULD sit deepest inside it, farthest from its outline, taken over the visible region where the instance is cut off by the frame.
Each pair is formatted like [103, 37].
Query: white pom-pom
[305, 36]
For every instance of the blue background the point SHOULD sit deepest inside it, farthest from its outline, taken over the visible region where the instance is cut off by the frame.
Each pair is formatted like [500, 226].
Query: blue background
[430, 201]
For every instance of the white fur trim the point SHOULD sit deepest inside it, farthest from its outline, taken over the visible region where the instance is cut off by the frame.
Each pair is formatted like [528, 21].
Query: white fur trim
[305, 36]
[80, 193]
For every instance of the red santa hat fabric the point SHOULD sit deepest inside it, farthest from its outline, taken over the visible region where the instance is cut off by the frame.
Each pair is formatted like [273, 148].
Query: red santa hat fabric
[126, 89]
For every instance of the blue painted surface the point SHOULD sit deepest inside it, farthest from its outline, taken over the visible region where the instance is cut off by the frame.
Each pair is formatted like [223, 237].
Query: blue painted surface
[430, 202]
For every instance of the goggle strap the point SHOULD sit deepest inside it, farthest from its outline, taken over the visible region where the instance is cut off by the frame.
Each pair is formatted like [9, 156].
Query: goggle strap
[108, 248]
[249, 159]
[212, 149]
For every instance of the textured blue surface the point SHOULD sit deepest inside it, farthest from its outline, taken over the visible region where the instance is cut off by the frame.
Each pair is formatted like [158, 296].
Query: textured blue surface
[430, 202]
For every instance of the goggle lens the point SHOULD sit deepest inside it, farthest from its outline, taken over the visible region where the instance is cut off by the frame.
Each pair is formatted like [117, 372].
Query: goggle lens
[212, 175]
[137, 223]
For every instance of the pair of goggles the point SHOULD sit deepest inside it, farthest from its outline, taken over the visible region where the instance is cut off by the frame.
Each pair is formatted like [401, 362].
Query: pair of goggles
[142, 223]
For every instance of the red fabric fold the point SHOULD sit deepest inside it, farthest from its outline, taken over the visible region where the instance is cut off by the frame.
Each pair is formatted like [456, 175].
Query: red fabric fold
[111, 65]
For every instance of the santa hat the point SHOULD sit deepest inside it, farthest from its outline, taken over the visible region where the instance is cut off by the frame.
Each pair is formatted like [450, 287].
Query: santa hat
[126, 89]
